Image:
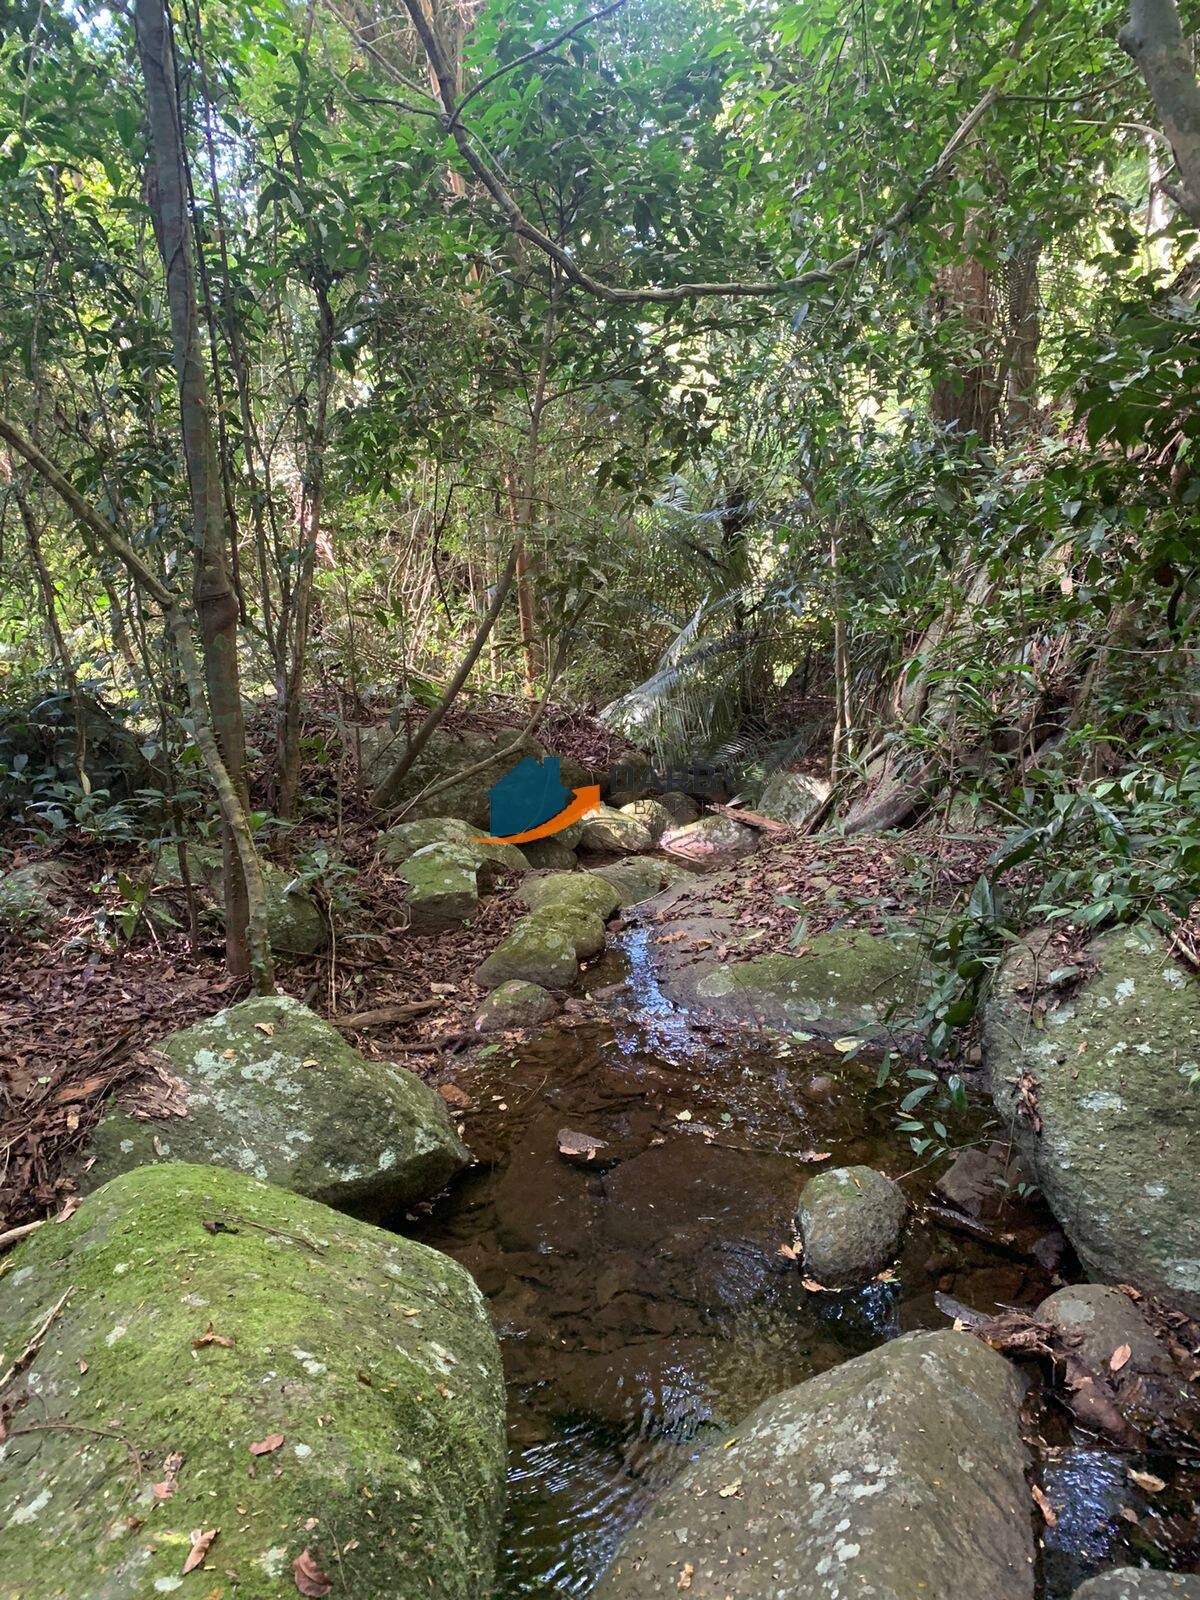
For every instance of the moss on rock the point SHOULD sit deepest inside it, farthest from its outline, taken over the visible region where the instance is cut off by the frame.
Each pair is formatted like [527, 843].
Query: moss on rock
[515, 1005]
[538, 950]
[637, 878]
[1110, 1068]
[443, 891]
[372, 1356]
[274, 1091]
[850, 1219]
[27, 898]
[846, 982]
[611, 832]
[491, 861]
[574, 891]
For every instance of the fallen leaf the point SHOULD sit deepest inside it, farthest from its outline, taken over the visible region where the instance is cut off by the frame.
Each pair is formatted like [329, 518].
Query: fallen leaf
[888, 1275]
[815, 1155]
[265, 1027]
[229, 1055]
[456, 1097]
[1119, 1357]
[265, 1446]
[789, 1252]
[311, 1062]
[83, 1367]
[846, 1045]
[574, 1146]
[683, 1116]
[1049, 1515]
[813, 1286]
[1146, 1481]
[730, 1489]
[310, 1580]
[685, 1576]
[201, 1539]
[210, 1336]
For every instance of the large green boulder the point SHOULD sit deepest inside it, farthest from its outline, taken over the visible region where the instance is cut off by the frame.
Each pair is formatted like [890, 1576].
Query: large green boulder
[270, 1089]
[443, 889]
[491, 861]
[295, 925]
[845, 983]
[230, 1361]
[652, 815]
[584, 927]
[575, 891]
[449, 755]
[897, 1475]
[550, 855]
[539, 950]
[637, 878]
[1097, 1085]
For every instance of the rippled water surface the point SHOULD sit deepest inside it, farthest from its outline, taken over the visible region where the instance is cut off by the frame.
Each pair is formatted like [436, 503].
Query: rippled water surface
[642, 1300]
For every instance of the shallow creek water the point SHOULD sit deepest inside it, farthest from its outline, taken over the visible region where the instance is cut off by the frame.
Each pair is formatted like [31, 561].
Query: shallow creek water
[642, 1302]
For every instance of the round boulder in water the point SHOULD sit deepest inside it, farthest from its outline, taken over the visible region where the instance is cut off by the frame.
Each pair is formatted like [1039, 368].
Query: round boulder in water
[850, 1220]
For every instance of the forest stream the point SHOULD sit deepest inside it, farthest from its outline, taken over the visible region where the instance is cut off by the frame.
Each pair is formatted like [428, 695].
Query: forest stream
[645, 1299]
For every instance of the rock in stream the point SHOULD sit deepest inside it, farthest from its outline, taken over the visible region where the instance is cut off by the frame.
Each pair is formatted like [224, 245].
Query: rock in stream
[235, 1361]
[897, 1475]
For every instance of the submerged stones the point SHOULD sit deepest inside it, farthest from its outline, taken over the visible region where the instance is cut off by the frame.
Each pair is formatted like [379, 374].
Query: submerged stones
[1107, 1071]
[268, 1088]
[894, 1475]
[850, 1220]
[1107, 1333]
[204, 1317]
[1140, 1583]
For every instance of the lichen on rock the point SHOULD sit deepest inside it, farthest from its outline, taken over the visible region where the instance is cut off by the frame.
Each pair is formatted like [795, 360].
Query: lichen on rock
[205, 1312]
[272, 1090]
[850, 1220]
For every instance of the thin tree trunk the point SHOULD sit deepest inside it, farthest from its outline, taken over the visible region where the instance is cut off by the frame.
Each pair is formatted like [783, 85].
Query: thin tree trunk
[212, 592]
[389, 786]
[234, 812]
[841, 750]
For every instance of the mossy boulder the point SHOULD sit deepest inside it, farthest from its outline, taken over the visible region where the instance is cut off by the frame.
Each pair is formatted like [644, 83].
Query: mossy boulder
[28, 898]
[550, 855]
[636, 878]
[652, 815]
[443, 890]
[1109, 1067]
[574, 891]
[491, 861]
[295, 925]
[846, 983]
[583, 927]
[850, 1220]
[713, 838]
[268, 1088]
[447, 755]
[207, 1313]
[539, 950]
[680, 807]
[792, 797]
[896, 1475]
[611, 832]
[515, 1005]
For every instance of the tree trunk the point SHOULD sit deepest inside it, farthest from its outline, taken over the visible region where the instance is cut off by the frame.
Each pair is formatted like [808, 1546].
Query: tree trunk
[212, 592]
[1024, 336]
[1153, 37]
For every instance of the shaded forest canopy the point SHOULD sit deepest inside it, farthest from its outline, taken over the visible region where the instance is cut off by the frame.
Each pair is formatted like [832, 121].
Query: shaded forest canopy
[806, 387]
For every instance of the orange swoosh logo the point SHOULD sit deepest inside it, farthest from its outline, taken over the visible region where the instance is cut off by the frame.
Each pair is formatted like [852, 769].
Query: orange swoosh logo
[585, 802]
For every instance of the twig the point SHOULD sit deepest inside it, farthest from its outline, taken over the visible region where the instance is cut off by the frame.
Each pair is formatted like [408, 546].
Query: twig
[10, 1237]
[79, 1427]
[35, 1344]
[382, 1015]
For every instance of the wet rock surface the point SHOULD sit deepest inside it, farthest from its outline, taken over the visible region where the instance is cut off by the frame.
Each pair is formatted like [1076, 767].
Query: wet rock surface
[636, 878]
[1109, 1334]
[644, 1300]
[849, 1221]
[270, 1089]
[713, 838]
[575, 891]
[1129, 1583]
[882, 1477]
[515, 1005]
[204, 1317]
[1106, 1069]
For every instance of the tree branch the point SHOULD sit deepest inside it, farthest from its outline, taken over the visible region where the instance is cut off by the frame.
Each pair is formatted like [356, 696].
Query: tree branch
[532, 55]
[519, 224]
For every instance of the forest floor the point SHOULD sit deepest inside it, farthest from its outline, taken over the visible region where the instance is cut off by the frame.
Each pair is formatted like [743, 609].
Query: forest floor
[80, 1005]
